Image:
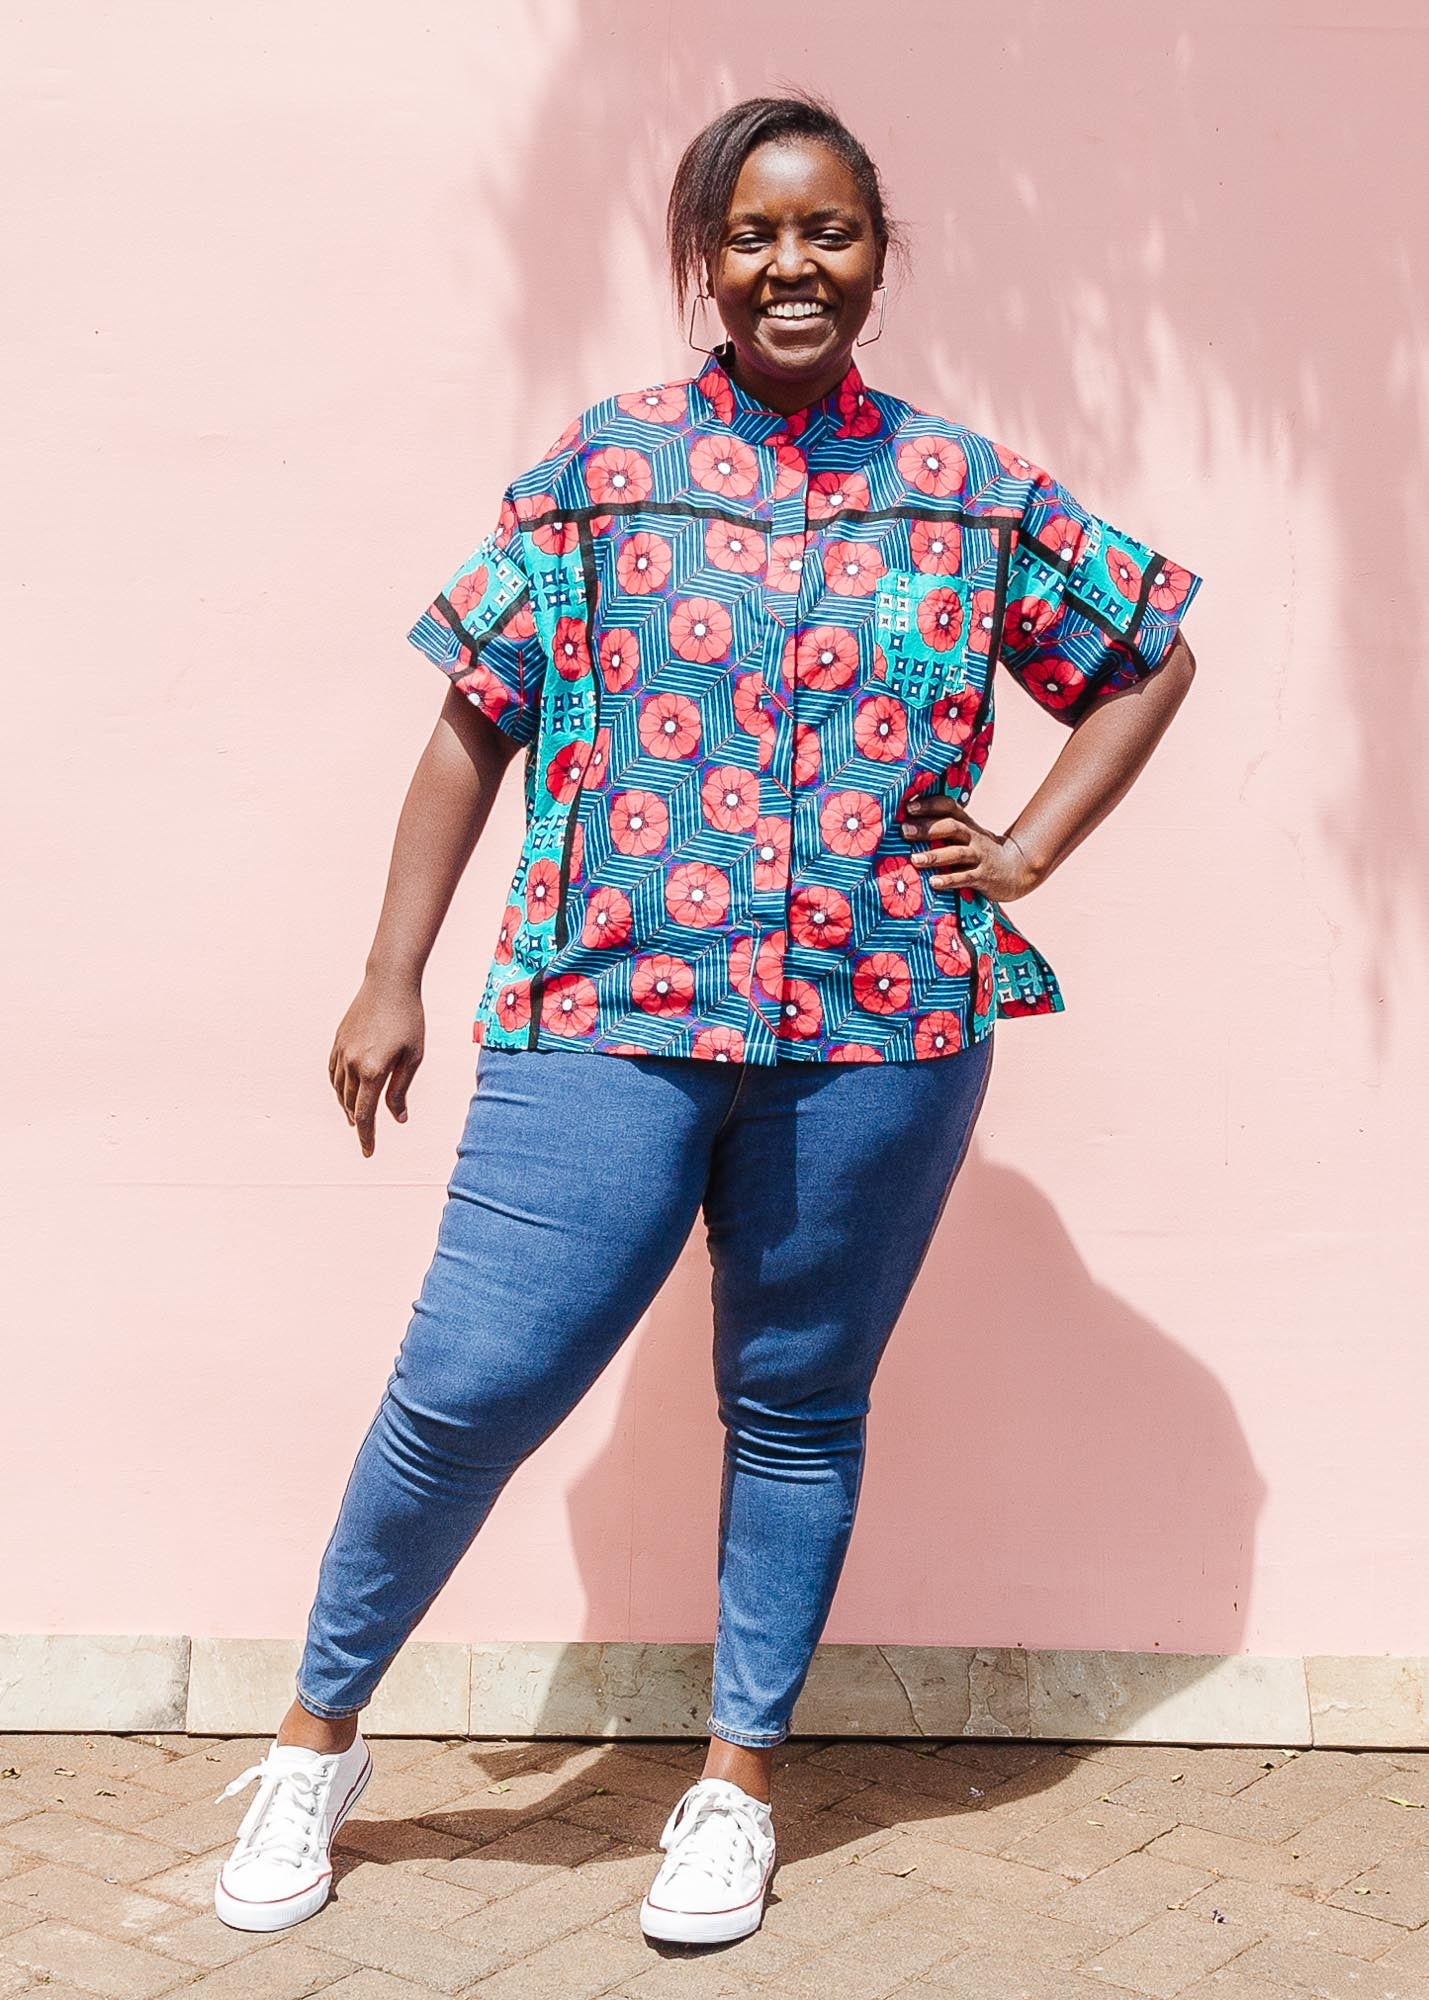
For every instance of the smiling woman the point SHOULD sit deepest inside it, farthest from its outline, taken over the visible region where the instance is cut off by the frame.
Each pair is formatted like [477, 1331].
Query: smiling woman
[745, 627]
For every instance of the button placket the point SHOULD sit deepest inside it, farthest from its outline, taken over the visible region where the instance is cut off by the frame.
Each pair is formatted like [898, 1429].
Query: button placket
[788, 519]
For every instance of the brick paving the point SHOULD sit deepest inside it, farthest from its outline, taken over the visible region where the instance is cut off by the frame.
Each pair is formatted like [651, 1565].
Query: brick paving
[972, 1870]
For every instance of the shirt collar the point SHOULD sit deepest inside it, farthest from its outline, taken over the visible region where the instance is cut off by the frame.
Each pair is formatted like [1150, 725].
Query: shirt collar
[737, 409]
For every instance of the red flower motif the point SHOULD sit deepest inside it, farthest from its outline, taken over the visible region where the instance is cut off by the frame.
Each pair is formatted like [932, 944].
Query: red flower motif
[639, 822]
[616, 473]
[980, 618]
[608, 919]
[938, 1034]
[858, 415]
[932, 465]
[983, 998]
[940, 619]
[661, 984]
[853, 1052]
[786, 562]
[1026, 619]
[568, 1004]
[739, 549]
[790, 466]
[482, 688]
[800, 1015]
[619, 658]
[569, 649]
[660, 405]
[1169, 585]
[521, 624]
[899, 885]
[851, 822]
[643, 564]
[749, 697]
[506, 936]
[806, 753]
[669, 725]
[556, 538]
[465, 595]
[697, 894]
[880, 728]
[730, 798]
[719, 391]
[852, 569]
[825, 656]
[513, 1004]
[1124, 571]
[565, 771]
[1056, 683]
[771, 852]
[1065, 537]
[936, 547]
[953, 716]
[769, 961]
[950, 950]
[882, 982]
[820, 916]
[700, 628]
[1015, 463]
[724, 465]
[598, 763]
[543, 887]
[833, 493]
[508, 525]
[741, 966]
[718, 1045]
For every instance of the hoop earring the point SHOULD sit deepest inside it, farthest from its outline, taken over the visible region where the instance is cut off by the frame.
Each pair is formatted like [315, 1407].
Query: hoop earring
[882, 291]
[690, 334]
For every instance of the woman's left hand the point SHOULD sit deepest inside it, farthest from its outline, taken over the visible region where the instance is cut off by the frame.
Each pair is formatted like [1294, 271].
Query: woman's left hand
[956, 853]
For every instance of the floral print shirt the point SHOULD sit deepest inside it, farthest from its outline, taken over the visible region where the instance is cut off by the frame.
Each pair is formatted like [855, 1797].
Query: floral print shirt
[733, 644]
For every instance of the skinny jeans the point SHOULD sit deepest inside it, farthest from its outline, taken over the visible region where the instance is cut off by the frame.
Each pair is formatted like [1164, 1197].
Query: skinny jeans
[578, 1180]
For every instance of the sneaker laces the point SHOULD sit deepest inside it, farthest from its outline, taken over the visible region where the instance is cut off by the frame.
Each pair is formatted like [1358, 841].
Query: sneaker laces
[281, 1824]
[708, 1828]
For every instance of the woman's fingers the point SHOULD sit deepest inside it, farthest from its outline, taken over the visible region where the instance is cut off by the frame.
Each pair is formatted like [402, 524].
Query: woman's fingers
[398, 1085]
[364, 1110]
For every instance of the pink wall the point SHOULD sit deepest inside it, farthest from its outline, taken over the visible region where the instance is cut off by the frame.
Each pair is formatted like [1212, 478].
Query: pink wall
[303, 287]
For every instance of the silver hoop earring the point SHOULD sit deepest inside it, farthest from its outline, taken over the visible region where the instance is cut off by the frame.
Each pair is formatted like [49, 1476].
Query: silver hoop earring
[690, 335]
[882, 292]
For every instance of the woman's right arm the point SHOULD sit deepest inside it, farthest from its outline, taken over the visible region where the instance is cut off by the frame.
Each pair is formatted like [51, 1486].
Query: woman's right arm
[380, 1038]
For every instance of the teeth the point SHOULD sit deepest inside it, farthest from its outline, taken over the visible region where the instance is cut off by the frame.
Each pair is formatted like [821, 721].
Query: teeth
[795, 309]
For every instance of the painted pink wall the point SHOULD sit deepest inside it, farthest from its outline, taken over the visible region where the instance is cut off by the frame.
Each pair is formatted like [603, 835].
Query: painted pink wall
[294, 291]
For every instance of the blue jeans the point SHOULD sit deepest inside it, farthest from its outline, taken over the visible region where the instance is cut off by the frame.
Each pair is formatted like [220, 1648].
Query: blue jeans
[578, 1180]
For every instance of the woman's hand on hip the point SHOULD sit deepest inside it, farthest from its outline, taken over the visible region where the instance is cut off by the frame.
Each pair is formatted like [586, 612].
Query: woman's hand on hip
[379, 1042]
[954, 852]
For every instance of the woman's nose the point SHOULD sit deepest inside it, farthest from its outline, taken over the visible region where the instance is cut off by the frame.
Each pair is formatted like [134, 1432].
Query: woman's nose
[791, 258]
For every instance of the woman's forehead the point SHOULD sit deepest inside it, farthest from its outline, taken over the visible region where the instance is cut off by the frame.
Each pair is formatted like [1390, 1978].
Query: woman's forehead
[795, 176]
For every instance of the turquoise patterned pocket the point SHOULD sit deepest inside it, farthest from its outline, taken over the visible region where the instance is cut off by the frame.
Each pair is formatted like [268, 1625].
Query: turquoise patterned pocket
[922, 623]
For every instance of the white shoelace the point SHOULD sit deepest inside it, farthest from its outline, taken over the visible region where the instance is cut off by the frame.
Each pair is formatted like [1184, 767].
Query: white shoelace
[707, 1831]
[282, 1822]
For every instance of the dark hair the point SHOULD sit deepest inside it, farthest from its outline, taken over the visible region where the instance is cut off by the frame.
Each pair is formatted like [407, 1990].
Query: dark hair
[709, 168]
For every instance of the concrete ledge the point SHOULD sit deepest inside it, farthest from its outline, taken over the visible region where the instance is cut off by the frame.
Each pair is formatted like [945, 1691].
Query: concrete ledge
[548, 1688]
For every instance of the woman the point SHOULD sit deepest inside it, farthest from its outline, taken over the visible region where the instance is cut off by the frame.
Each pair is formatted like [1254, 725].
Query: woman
[745, 628]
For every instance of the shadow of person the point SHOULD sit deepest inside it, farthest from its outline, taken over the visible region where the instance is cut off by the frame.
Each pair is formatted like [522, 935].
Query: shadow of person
[1047, 1471]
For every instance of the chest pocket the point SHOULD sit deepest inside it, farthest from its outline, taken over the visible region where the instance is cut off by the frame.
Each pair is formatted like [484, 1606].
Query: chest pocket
[922, 622]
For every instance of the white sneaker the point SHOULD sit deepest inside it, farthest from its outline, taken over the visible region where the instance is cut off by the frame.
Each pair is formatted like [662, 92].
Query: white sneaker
[719, 1856]
[279, 1871]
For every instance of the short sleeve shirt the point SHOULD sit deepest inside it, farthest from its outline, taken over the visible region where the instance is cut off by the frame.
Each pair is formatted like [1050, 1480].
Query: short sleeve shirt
[734, 643]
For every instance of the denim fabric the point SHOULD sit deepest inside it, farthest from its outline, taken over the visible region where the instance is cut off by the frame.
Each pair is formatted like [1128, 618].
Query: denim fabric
[577, 1183]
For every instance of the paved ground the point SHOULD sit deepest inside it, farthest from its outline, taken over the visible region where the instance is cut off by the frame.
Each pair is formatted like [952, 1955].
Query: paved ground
[977, 1870]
